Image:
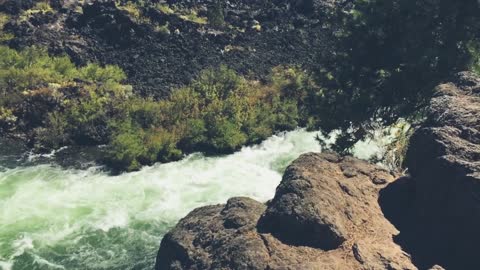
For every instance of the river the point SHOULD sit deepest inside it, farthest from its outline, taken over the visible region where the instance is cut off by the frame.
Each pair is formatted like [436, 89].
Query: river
[52, 217]
[57, 218]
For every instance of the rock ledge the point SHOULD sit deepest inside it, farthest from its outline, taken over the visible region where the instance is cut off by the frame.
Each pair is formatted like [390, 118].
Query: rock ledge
[325, 215]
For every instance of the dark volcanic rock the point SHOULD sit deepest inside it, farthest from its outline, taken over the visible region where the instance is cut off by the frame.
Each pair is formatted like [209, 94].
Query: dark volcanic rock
[15, 6]
[294, 32]
[319, 219]
[438, 211]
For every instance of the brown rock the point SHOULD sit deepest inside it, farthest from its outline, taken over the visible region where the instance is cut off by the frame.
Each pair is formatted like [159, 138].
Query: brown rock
[319, 219]
[318, 205]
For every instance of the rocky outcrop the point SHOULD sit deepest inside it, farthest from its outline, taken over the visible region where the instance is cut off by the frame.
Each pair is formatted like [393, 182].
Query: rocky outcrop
[325, 215]
[331, 212]
[439, 210]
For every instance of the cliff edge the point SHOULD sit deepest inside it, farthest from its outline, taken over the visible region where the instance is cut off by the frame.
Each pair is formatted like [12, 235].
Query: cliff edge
[333, 212]
[437, 208]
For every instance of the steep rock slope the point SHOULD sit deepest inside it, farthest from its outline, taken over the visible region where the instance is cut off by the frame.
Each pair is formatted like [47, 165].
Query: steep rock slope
[437, 209]
[160, 50]
[324, 215]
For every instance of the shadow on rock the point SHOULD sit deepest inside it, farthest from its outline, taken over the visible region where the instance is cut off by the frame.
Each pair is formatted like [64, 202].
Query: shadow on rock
[430, 241]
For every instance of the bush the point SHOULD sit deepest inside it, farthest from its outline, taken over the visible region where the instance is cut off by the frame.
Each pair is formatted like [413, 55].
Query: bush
[41, 7]
[219, 112]
[474, 50]
[125, 150]
[7, 119]
[4, 36]
[54, 135]
[195, 138]
[131, 147]
[51, 93]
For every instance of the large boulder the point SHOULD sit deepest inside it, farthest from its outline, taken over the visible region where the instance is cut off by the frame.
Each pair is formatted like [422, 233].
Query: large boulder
[324, 197]
[216, 237]
[325, 215]
[443, 192]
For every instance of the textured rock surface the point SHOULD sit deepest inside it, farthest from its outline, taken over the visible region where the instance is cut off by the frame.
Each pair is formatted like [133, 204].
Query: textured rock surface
[443, 193]
[325, 215]
[156, 61]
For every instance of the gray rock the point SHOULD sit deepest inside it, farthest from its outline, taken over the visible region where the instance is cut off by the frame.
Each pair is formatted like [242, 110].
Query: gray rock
[444, 162]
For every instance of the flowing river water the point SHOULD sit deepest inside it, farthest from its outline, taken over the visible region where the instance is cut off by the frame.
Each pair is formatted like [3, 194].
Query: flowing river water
[57, 218]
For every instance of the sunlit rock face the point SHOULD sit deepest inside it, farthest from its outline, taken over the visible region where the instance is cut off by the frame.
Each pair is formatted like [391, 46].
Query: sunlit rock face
[325, 215]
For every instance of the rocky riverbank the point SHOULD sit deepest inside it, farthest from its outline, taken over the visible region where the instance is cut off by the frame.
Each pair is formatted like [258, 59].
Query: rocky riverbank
[333, 212]
[324, 215]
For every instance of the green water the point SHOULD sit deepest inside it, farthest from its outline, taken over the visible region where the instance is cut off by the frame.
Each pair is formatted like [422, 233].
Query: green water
[54, 218]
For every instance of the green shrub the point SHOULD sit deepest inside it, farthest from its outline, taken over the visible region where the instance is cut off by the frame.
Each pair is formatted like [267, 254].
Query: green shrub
[215, 15]
[219, 112]
[56, 103]
[41, 7]
[134, 10]
[195, 137]
[224, 136]
[164, 8]
[125, 150]
[191, 15]
[474, 50]
[7, 119]
[4, 36]
[51, 93]
[133, 147]
[161, 146]
[54, 135]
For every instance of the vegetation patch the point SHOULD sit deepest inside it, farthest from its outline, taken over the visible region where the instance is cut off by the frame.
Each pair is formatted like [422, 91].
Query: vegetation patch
[134, 10]
[54, 103]
[41, 7]
[4, 36]
[218, 113]
[164, 8]
[191, 15]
